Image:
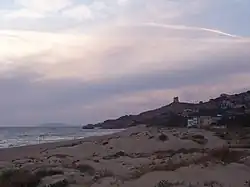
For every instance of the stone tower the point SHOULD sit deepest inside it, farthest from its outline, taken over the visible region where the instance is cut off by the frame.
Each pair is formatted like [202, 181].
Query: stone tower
[176, 100]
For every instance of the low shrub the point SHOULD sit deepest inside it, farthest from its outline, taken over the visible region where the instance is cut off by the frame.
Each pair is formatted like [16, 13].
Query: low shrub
[48, 172]
[18, 178]
[84, 168]
[165, 183]
[163, 137]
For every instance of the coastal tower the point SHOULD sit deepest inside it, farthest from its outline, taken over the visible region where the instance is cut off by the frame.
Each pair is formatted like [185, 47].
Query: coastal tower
[176, 100]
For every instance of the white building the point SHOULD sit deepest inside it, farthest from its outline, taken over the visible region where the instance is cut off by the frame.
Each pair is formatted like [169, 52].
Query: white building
[193, 123]
[202, 121]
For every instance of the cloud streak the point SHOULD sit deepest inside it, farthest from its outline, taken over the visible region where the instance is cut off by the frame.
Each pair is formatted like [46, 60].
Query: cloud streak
[184, 27]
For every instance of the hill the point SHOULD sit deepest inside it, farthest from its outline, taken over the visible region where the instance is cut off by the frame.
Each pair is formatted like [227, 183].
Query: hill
[174, 113]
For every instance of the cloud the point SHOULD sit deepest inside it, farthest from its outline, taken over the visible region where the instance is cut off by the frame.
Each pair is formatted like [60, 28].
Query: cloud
[44, 5]
[80, 13]
[95, 11]
[122, 2]
[75, 101]
[116, 11]
[24, 13]
[85, 78]
[60, 15]
[126, 48]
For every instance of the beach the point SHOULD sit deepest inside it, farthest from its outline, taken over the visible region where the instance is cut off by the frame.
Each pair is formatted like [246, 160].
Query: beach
[138, 156]
[22, 136]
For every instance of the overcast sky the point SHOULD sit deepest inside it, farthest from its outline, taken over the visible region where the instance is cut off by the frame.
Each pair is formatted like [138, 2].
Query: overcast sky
[84, 61]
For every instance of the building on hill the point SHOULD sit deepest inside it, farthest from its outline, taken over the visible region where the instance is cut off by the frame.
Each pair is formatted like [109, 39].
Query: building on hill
[236, 120]
[186, 112]
[204, 118]
[203, 121]
[247, 111]
[240, 106]
[247, 98]
[192, 122]
[226, 104]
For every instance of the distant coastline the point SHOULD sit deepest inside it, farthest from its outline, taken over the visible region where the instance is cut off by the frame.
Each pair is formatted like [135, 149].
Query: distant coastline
[55, 125]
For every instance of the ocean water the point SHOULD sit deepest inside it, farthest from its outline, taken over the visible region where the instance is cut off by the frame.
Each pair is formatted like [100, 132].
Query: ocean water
[21, 136]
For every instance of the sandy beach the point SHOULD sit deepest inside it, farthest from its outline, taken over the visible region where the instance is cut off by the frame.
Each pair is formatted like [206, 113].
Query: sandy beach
[138, 156]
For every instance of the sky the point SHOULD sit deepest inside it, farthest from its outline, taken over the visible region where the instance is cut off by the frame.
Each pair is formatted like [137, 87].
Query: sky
[85, 61]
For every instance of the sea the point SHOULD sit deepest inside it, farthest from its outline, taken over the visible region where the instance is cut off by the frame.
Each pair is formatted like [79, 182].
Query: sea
[21, 136]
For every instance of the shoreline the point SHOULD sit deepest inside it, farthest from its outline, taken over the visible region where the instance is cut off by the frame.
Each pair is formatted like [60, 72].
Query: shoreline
[58, 135]
[138, 156]
[49, 145]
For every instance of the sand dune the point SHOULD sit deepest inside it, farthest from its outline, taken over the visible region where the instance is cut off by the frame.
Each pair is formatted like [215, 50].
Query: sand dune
[139, 156]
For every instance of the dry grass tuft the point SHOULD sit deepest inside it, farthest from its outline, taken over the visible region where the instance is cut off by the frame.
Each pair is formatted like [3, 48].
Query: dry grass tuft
[85, 168]
[103, 174]
[213, 184]
[226, 155]
[163, 137]
[41, 173]
[166, 183]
